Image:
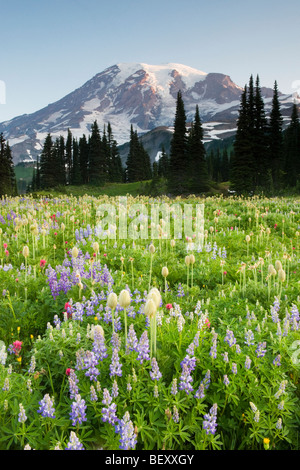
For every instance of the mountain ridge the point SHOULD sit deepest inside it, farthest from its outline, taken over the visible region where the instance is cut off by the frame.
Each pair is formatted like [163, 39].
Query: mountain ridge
[136, 94]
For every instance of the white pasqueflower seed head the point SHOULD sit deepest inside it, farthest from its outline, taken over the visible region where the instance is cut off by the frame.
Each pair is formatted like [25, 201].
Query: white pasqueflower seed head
[281, 275]
[25, 251]
[187, 260]
[154, 294]
[165, 271]
[112, 300]
[75, 252]
[150, 308]
[278, 265]
[152, 249]
[124, 298]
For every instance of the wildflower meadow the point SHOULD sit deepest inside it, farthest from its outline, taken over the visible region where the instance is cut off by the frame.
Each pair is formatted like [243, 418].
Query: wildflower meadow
[150, 328]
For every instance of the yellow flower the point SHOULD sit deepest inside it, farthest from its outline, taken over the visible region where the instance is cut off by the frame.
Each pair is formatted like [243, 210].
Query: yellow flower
[19, 359]
[266, 440]
[18, 329]
[96, 318]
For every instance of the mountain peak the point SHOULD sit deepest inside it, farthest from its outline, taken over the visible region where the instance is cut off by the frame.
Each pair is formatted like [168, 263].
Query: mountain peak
[126, 94]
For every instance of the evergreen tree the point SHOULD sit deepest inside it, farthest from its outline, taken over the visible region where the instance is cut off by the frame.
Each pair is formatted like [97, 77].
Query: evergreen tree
[68, 156]
[225, 165]
[163, 164]
[115, 171]
[242, 174]
[259, 142]
[196, 167]
[76, 175]
[138, 165]
[276, 141]
[8, 184]
[97, 161]
[178, 150]
[47, 164]
[292, 149]
[83, 148]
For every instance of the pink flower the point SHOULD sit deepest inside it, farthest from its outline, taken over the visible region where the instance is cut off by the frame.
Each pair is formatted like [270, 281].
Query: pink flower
[169, 306]
[68, 371]
[104, 254]
[225, 272]
[207, 322]
[42, 263]
[17, 345]
[5, 245]
[6, 253]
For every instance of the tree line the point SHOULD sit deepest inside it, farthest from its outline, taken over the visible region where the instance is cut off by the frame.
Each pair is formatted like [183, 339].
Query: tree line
[265, 157]
[8, 184]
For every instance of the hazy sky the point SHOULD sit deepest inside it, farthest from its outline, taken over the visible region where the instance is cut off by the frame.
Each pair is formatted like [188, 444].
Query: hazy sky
[49, 48]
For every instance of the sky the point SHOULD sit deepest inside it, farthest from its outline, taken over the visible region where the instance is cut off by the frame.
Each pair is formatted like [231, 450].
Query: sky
[50, 48]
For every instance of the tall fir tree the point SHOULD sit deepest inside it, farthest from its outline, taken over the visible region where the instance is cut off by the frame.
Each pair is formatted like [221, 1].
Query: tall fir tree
[163, 164]
[97, 159]
[138, 165]
[276, 141]
[48, 164]
[259, 142]
[196, 165]
[178, 149]
[8, 184]
[75, 172]
[68, 156]
[83, 149]
[242, 174]
[292, 149]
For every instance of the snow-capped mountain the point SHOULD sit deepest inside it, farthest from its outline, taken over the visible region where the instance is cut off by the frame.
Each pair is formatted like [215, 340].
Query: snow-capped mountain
[133, 93]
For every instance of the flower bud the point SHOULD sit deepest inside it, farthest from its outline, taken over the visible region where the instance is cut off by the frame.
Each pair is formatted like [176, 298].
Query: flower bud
[278, 265]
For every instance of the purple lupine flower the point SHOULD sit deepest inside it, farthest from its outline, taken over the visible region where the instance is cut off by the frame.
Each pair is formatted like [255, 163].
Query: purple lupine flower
[115, 389]
[200, 392]
[210, 420]
[174, 389]
[175, 416]
[90, 363]
[225, 380]
[281, 389]
[229, 338]
[185, 380]
[260, 351]
[190, 362]
[46, 407]
[248, 362]
[22, 415]
[155, 374]
[132, 341]
[143, 348]
[78, 408]
[249, 338]
[225, 356]
[115, 366]
[125, 428]
[107, 399]
[234, 368]
[93, 394]
[99, 348]
[206, 380]
[109, 414]
[73, 380]
[276, 361]
[74, 443]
